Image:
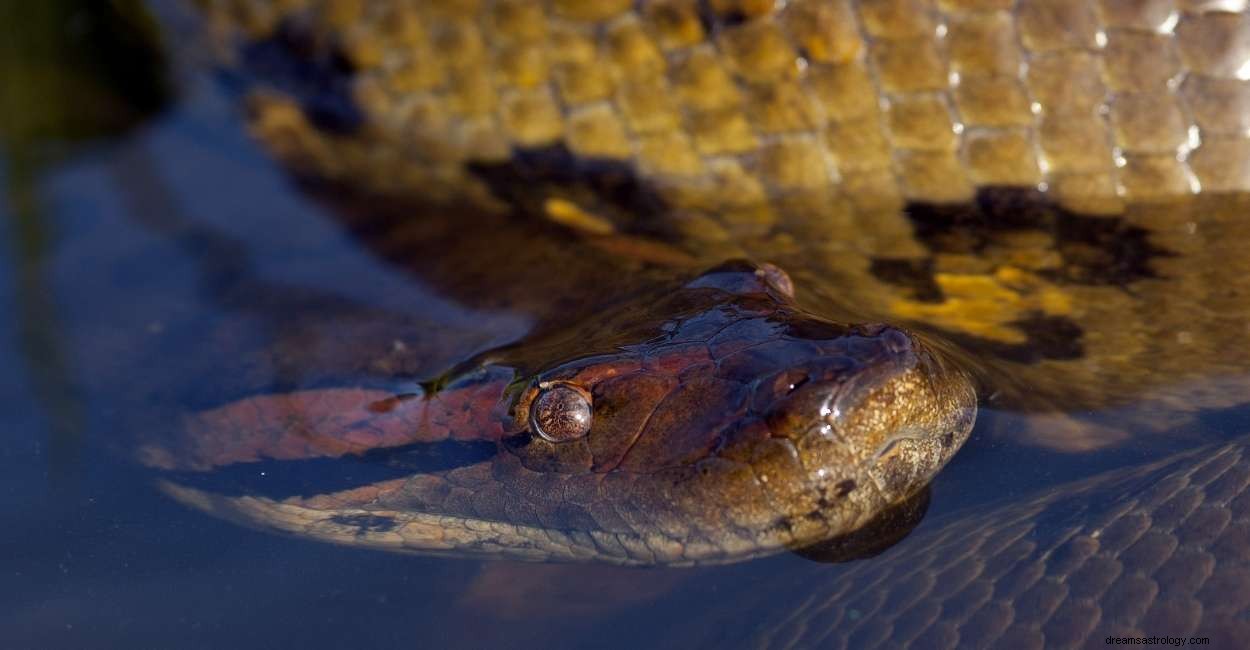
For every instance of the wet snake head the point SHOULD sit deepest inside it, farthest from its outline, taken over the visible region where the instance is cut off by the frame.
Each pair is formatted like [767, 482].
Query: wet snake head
[743, 424]
[711, 421]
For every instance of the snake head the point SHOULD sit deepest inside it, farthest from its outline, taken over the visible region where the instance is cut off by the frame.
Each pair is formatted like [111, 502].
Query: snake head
[710, 421]
[739, 423]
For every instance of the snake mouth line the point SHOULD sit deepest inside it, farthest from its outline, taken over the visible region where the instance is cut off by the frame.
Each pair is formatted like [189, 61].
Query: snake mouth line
[436, 534]
[904, 436]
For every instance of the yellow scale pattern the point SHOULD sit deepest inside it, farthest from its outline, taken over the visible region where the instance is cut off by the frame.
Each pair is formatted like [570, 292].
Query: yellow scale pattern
[794, 131]
[872, 101]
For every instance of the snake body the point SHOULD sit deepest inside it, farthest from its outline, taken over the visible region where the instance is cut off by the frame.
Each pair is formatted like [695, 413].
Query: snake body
[738, 113]
[1057, 186]
[1154, 551]
[1019, 176]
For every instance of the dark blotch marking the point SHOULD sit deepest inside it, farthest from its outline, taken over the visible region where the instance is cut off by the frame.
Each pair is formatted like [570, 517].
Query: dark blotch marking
[845, 487]
[914, 275]
[367, 523]
[1048, 337]
[1104, 251]
[714, 21]
[1051, 337]
[317, 74]
[608, 188]
[1096, 251]
[517, 441]
[815, 330]
[993, 209]
[888, 528]
[1099, 251]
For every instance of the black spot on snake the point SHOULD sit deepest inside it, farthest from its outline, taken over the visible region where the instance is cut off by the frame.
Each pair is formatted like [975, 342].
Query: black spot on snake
[914, 275]
[714, 20]
[608, 188]
[1096, 250]
[366, 523]
[320, 79]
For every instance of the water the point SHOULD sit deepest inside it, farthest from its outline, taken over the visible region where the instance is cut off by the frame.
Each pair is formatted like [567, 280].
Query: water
[96, 556]
[144, 258]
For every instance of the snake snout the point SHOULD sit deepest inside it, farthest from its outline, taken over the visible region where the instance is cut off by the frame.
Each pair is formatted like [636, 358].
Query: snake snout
[884, 412]
[825, 394]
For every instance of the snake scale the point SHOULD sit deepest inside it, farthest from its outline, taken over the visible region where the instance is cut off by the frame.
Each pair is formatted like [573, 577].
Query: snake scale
[798, 132]
[1058, 187]
[1155, 551]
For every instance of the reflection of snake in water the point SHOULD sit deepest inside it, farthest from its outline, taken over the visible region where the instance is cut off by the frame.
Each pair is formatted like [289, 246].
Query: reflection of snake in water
[798, 131]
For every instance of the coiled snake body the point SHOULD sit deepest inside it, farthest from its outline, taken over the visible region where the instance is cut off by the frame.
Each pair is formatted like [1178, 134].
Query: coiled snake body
[1056, 186]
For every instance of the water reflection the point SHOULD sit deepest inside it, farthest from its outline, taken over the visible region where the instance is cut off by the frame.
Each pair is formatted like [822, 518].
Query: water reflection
[73, 72]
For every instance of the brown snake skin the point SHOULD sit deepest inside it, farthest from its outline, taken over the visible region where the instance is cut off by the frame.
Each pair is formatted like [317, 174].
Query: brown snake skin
[736, 107]
[794, 132]
[798, 131]
[723, 424]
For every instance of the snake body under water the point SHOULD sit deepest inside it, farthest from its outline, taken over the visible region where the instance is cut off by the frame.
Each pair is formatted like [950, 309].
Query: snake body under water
[1148, 552]
[1055, 186]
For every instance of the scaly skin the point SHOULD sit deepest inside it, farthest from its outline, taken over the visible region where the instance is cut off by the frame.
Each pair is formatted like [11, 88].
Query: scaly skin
[727, 424]
[742, 111]
[796, 132]
[1145, 552]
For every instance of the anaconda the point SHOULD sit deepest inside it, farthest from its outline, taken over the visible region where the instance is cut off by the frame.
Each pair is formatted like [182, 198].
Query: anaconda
[864, 143]
[1062, 164]
[712, 423]
[1152, 551]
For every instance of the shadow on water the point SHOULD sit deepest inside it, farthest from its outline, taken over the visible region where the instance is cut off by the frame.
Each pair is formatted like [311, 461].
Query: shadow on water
[73, 73]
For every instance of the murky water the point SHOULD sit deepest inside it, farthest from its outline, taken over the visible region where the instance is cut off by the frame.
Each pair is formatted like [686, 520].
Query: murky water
[152, 261]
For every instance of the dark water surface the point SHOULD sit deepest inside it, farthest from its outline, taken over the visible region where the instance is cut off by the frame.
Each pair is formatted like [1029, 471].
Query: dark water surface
[141, 253]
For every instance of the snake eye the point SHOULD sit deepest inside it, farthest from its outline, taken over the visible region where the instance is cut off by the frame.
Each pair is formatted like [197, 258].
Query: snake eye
[561, 413]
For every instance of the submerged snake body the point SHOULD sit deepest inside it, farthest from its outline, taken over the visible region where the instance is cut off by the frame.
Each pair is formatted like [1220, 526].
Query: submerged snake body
[1155, 551]
[723, 423]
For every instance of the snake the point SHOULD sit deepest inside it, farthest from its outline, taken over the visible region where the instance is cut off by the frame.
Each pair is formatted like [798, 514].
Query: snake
[714, 423]
[1057, 188]
[1153, 551]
